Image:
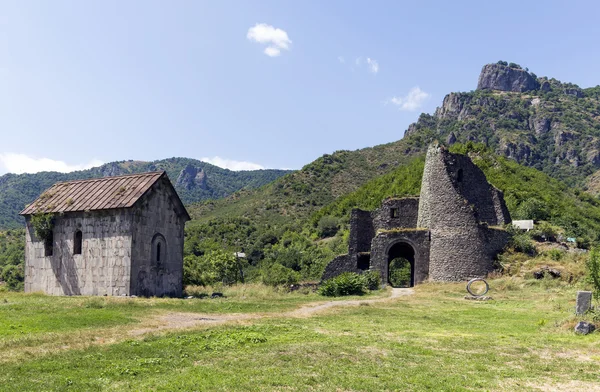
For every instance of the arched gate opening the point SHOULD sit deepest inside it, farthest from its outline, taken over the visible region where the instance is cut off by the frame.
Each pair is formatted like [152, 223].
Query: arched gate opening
[401, 265]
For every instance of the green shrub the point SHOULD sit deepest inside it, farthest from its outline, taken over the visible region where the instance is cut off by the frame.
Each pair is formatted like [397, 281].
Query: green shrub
[555, 254]
[348, 283]
[13, 275]
[372, 280]
[522, 243]
[277, 275]
[593, 271]
[43, 225]
[328, 226]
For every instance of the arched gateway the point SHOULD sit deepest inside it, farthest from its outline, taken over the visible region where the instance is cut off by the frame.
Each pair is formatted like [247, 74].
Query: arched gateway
[401, 265]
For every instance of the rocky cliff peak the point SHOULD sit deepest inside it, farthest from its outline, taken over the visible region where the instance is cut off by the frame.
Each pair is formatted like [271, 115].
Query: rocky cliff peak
[191, 177]
[506, 78]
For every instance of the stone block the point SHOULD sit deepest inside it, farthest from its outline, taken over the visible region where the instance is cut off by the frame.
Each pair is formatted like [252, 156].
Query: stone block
[584, 302]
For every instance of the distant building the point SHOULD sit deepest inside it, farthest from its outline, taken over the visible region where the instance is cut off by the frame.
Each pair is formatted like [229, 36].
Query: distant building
[110, 236]
[452, 232]
[523, 224]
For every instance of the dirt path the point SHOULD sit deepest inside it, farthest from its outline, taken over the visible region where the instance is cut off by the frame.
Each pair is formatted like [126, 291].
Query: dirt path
[171, 321]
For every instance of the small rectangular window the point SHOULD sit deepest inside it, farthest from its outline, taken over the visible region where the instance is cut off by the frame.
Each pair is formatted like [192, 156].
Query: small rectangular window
[49, 245]
[77, 242]
[394, 213]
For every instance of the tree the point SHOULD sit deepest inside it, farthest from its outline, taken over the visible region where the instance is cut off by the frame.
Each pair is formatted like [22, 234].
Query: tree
[593, 271]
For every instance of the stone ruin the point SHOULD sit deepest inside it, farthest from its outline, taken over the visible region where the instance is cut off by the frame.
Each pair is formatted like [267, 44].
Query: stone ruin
[452, 232]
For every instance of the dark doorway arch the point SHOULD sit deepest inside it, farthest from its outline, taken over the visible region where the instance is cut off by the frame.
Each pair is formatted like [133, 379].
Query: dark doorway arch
[401, 265]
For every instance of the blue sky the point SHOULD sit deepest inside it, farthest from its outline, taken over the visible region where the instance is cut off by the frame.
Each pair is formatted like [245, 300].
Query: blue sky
[85, 82]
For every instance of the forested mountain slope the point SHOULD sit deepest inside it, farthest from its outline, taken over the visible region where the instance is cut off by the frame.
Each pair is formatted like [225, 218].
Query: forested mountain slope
[193, 179]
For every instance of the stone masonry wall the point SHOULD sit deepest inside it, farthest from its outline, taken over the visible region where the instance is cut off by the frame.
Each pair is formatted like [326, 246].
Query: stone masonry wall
[460, 247]
[361, 231]
[155, 215]
[103, 266]
[395, 213]
[470, 182]
[418, 239]
[341, 264]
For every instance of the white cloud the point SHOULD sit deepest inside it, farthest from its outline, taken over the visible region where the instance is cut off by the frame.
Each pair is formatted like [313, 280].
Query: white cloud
[275, 39]
[232, 164]
[272, 51]
[341, 59]
[411, 101]
[22, 163]
[358, 61]
[373, 65]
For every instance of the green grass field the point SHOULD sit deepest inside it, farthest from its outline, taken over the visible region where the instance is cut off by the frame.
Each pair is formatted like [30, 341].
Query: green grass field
[431, 340]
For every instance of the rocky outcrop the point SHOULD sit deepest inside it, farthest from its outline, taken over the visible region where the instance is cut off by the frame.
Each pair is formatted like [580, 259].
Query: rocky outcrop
[451, 139]
[504, 78]
[545, 87]
[541, 125]
[112, 169]
[576, 92]
[191, 177]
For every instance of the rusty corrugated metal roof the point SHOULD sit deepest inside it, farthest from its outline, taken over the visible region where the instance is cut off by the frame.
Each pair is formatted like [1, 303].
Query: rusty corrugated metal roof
[94, 194]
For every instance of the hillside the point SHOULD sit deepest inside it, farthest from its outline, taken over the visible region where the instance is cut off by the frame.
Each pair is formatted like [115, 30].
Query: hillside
[529, 193]
[193, 179]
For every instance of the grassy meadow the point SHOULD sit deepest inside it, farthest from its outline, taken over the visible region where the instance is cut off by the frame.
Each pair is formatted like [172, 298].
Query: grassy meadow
[430, 340]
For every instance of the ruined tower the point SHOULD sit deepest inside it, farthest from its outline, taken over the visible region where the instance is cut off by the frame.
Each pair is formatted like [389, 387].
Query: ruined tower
[452, 232]
[460, 209]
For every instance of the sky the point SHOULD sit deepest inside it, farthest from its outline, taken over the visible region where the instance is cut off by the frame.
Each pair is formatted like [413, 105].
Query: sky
[256, 84]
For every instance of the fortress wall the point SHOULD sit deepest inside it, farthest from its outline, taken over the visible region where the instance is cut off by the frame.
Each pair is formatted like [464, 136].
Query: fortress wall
[361, 231]
[339, 265]
[395, 213]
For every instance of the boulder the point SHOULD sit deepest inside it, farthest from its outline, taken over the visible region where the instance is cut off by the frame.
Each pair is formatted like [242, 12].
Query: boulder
[584, 328]
[504, 78]
[553, 273]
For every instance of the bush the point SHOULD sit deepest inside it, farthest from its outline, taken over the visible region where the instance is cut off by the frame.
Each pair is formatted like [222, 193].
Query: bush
[350, 283]
[277, 275]
[544, 232]
[532, 208]
[372, 280]
[555, 254]
[217, 266]
[593, 271]
[328, 226]
[522, 243]
[13, 276]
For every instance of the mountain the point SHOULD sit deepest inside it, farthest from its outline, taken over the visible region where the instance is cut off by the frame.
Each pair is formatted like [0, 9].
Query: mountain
[539, 122]
[536, 121]
[194, 180]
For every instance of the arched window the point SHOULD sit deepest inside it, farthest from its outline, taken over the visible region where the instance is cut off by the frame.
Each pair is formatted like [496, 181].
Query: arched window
[159, 250]
[77, 242]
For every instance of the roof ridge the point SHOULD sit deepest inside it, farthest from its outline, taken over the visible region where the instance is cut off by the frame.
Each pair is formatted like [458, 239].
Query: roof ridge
[110, 177]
